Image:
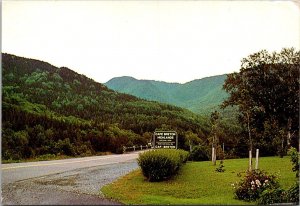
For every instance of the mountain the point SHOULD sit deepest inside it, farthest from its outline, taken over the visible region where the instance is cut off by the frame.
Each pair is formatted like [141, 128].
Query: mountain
[200, 96]
[51, 110]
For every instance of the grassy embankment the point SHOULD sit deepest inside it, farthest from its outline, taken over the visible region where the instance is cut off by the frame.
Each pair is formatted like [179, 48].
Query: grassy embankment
[196, 183]
[48, 157]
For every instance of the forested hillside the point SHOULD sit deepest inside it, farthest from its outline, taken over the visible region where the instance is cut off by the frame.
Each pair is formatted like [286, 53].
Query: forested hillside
[50, 110]
[201, 96]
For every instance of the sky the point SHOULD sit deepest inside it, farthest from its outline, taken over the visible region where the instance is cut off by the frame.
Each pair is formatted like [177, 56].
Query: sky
[172, 41]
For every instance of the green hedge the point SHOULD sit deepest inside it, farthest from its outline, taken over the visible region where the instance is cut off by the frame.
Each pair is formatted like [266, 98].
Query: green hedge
[158, 165]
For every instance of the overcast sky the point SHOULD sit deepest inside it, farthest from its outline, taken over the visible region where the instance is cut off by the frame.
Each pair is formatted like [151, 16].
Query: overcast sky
[173, 41]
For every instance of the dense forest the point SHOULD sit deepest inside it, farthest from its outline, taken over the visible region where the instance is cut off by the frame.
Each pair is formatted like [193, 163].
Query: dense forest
[201, 96]
[50, 110]
[266, 93]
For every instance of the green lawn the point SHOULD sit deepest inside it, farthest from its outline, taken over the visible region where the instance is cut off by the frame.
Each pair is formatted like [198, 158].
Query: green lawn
[196, 183]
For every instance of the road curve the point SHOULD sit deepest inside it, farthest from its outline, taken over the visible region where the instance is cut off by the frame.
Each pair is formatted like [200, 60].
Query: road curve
[20, 171]
[75, 181]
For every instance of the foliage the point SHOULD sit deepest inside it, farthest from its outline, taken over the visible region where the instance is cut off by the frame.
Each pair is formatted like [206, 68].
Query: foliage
[199, 153]
[271, 196]
[158, 165]
[266, 93]
[50, 110]
[220, 168]
[294, 159]
[293, 193]
[253, 184]
[201, 96]
[279, 195]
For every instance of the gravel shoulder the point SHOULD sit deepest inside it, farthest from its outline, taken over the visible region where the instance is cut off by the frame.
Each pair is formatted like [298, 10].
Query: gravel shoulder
[75, 187]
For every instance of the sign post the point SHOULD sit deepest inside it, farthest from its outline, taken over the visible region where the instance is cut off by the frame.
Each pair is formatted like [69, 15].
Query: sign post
[165, 140]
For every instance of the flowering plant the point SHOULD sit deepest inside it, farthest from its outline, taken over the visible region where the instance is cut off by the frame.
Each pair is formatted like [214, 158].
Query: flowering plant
[253, 184]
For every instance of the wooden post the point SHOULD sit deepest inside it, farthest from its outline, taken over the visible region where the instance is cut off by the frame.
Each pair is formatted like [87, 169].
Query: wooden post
[250, 160]
[256, 159]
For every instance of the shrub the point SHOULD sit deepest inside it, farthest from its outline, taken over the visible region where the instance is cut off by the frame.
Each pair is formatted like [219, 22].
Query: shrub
[254, 183]
[271, 196]
[292, 152]
[220, 167]
[293, 193]
[161, 164]
[278, 195]
[199, 153]
[184, 155]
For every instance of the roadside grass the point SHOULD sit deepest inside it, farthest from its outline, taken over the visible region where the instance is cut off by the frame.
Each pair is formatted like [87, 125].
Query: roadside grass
[196, 183]
[47, 157]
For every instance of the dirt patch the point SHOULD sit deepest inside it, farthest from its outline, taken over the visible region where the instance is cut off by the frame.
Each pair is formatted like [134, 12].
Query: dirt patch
[64, 181]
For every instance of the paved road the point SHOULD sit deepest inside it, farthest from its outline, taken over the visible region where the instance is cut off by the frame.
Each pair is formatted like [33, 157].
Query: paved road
[69, 181]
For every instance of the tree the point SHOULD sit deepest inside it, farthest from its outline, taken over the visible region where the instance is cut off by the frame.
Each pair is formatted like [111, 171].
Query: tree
[192, 139]
[266, 89]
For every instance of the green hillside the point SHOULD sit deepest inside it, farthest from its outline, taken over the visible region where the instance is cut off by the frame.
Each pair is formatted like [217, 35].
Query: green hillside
[201, 96]
[51, 110]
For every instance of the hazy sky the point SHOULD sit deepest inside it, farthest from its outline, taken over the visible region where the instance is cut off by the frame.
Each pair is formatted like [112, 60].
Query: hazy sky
[173, 41]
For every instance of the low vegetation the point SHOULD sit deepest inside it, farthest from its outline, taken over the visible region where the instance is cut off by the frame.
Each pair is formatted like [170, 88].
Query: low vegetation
[253, 184]
[196, 183]
[199, 153]
[161, 164]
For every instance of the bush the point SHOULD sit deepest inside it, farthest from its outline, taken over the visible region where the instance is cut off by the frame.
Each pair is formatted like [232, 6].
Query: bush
[276, 195]
[254, 183]
[279, 195]
[220, 167]
[292, 152]
[199, 153]
[158, 165]
[184, 155]
[293, 193]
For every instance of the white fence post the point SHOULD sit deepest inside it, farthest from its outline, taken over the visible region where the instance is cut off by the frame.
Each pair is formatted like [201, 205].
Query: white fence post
[250, 160]
[214, 155]
[256, 159]
[124, 149]
[133, 147]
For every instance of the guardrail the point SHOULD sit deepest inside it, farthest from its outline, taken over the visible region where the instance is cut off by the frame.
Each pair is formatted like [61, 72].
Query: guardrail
[135, 147]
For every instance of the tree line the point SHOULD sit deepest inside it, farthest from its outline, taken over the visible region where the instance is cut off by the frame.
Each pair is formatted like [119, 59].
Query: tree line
[50, 110]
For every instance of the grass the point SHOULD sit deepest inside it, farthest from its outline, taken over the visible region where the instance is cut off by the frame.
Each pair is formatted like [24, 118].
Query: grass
[196, 183]
[48, 157]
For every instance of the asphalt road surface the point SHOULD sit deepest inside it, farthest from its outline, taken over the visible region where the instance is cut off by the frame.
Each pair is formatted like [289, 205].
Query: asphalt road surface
[75, 181]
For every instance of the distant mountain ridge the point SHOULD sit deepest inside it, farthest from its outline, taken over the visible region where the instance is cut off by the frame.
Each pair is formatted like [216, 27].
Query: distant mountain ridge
[200, 96]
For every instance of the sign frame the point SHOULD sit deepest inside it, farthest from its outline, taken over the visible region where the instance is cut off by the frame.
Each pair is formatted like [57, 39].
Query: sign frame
[154, 140]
